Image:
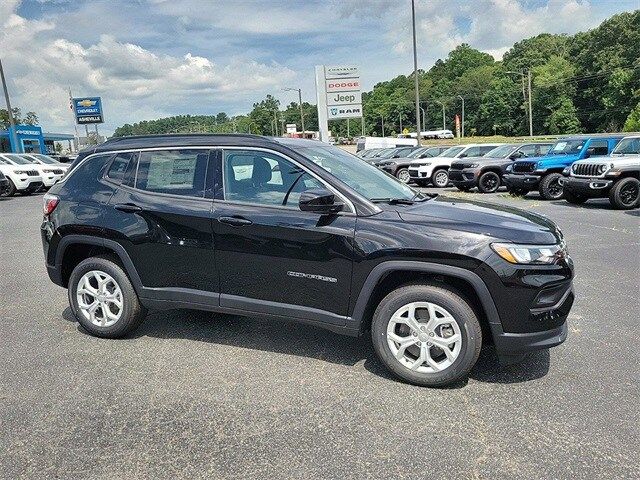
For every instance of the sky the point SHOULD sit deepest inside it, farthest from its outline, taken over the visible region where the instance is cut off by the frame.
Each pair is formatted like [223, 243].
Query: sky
[154, 58]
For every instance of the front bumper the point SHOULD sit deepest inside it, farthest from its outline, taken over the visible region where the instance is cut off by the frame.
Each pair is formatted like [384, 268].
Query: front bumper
[588, 187]
[522, 181]
[464, 178]
[420, 173]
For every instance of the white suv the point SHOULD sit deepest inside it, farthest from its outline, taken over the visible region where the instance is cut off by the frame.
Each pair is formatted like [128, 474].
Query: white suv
[436, 169]
[23, 179]
[49, 174]
[59, 169]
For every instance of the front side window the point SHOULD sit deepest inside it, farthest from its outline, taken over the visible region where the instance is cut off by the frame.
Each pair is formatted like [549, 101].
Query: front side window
[528, 150]
[254, 176]
[472, 152]
[598, 147]
[628, 146]
[451, 152]
[175, 172]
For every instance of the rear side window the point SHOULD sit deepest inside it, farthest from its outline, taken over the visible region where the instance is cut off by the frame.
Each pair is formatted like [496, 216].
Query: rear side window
[119, 167]
[176, 172]
[486, 149]
[473, 152]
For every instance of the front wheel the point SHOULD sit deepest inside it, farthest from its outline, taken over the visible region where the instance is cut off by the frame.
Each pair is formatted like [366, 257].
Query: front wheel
[426, 335]
[102, 298]
[403, 175]
[440, 178]
[625, 194]
[489, 182]
[550, 188]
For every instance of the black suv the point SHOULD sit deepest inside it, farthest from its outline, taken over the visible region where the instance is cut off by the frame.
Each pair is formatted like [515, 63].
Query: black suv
[298, 229]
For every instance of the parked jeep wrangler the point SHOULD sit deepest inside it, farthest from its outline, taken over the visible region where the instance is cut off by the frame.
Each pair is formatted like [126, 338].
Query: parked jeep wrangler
[298, 229]
[616, 177]
[545, 172]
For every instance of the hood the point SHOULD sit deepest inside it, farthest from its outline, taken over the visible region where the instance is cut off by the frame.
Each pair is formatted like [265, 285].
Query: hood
[616, 160]
[468, 160]
[495, 221]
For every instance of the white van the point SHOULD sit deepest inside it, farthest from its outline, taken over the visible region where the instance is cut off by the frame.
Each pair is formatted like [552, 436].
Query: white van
[366, 143]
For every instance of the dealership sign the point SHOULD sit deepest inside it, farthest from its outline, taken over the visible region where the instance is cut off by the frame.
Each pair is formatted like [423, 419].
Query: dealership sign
[338, 94]
[88, 110]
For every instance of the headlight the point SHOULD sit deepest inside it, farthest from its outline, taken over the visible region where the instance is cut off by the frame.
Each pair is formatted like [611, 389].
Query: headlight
[509, 168]
[474, 165]
[529, 254]
[425, 164]
[46, 170]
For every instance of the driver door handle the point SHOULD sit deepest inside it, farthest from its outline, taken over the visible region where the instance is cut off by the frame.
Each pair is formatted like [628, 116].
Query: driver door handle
[235, 221]
[127, 207]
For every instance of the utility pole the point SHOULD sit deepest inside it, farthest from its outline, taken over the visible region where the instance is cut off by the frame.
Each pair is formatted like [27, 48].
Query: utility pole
[462, 98]
[382, 125]
[530, 109]
[424, 118]
[299, 90]
[348, 135]
[415, 70]
[12, 122]
[400, 116]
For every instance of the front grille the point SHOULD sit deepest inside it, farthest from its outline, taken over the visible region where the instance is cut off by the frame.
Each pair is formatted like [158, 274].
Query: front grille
[589, 169]
[32, 173]
[413, 173]
[455, 175]
[523, 167]
[58, 172]
[456, 166]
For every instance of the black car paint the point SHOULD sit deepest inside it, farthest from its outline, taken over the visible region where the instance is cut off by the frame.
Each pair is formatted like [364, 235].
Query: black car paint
[286, 263]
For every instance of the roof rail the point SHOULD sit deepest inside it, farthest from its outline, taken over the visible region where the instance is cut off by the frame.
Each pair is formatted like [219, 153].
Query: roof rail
[184, 135]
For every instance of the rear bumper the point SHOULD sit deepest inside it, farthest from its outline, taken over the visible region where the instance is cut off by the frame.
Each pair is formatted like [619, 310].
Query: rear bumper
[588, 187]
[524, 182]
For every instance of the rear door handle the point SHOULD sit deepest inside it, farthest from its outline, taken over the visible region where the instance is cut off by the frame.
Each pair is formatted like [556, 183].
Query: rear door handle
[235, 221]
[127, 207]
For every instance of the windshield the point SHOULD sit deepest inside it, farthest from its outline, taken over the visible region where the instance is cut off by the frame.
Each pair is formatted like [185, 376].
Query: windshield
[502, 151]
[417, 152]
[19, 160]
[364, 178]
[385, 153]
[628, 146]
[44, 158]
[565, 147]
[451, 152]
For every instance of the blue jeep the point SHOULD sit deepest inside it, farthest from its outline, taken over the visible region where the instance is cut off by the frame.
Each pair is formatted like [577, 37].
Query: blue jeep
[543, 173]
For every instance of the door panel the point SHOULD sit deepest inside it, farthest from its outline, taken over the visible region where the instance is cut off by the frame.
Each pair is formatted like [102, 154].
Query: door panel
[168, 235]
[280, 254]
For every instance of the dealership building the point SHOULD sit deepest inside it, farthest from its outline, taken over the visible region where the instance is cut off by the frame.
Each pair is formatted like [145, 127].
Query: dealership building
[31, 138]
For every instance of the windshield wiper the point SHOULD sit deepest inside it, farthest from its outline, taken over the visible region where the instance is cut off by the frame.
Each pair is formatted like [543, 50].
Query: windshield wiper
[393, 201]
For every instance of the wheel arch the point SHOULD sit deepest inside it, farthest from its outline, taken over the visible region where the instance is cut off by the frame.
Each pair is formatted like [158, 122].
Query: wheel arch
[390, 275]
[73, 249]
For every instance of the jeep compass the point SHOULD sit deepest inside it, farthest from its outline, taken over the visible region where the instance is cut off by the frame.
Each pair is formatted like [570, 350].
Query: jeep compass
[298, 229]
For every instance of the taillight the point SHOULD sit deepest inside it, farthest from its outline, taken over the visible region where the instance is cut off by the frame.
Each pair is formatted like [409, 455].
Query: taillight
[50, 202]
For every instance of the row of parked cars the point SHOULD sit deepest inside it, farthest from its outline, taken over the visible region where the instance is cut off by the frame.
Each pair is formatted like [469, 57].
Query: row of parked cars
[27, 173]
[575, 168]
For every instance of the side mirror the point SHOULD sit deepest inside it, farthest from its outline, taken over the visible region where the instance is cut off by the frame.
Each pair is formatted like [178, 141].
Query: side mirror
[319, 200]
[463, 155]
[515, 155]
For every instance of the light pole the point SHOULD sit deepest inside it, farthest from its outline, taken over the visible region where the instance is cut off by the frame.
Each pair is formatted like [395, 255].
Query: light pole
[12, 122]
[444, 122]
[424, 118]
[382, 125]
[528, 77]
[299, 104]
[462, 98]
[415, 70]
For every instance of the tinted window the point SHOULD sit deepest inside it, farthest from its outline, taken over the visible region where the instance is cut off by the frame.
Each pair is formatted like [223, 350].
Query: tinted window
[176, 172]
[486, 149]
[598, 147]
[529, 150]
[473, 152]
[260, 177]
[119, 166]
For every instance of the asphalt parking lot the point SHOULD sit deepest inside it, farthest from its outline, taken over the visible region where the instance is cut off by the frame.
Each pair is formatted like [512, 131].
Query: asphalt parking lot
[202, 395]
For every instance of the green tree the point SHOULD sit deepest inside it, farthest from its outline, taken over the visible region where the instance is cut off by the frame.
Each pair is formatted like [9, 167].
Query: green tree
[263, 115]
[632, 124]
[564, 119]
[30, 119]
[499, 108]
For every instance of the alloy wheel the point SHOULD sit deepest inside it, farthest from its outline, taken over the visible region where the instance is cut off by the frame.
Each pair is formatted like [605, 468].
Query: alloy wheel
[629, 194]
[424, 337]
[100, 298]
[403, 175]
[555, 189]
[442, 178]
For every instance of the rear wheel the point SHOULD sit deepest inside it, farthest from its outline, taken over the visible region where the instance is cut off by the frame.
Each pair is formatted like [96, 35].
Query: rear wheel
[403, 175]
[550, 188]
[11, 190]
[574, 198]
[625, 194]
[426, 335]
[440, 178]
[489, 182]
[102, 298]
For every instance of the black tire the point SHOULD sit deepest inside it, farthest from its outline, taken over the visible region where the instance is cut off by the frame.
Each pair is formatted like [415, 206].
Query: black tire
[489, 182]
[402, 174]
[440, 178]
[446, 298]
[550, 188]
[11, 191]
[133, 312]
[517, 192]
[625, 194]
[574, 198]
